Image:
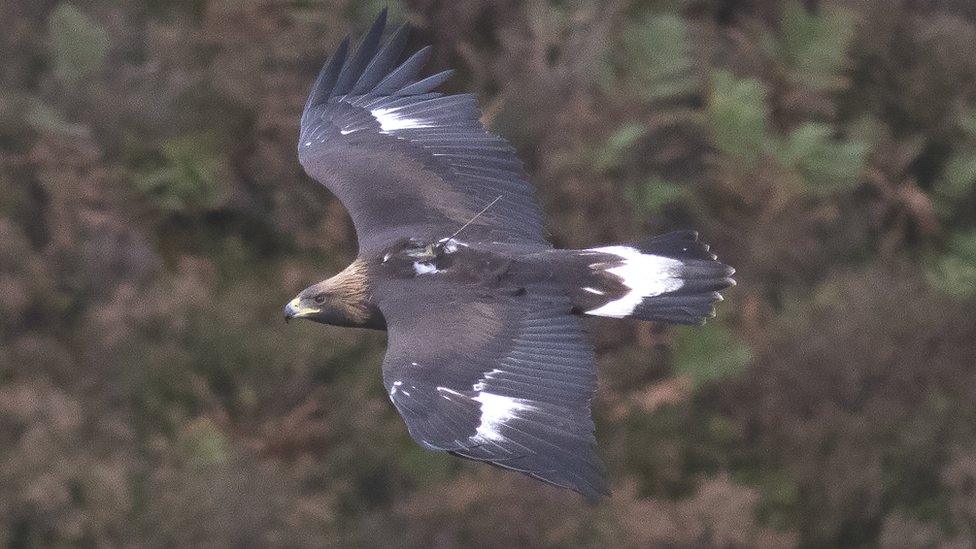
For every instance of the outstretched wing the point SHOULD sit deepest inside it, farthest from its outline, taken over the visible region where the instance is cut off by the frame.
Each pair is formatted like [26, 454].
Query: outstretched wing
[502, 379]
[407, 161]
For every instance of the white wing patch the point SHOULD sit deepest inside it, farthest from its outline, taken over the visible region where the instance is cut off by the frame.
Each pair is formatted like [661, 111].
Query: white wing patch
[422, 268]
[395, 387]
[480, 385]
[390, 121]
[495, 411]
[646, 275]
[451, 245]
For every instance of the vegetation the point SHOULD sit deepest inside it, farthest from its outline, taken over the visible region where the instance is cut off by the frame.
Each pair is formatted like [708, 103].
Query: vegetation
[154, 219]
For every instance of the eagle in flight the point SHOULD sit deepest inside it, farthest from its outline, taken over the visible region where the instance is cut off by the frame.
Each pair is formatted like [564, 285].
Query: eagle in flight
[487, 358]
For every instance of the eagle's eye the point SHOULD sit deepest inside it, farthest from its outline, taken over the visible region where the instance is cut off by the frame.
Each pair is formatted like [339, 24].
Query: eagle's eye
[319, 299]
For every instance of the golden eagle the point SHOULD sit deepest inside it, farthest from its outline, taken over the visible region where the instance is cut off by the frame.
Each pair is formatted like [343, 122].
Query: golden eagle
[487, 358]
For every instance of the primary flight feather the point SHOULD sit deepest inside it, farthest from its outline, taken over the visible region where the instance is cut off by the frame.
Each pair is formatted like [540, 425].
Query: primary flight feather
[487, 358]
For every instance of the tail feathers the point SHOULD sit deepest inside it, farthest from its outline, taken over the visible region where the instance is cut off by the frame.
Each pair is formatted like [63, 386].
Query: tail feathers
[668, 278]
[678, 244]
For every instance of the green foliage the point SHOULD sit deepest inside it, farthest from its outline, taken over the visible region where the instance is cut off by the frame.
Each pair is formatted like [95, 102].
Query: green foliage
[814, 45]
[959, 175]
[150, 394]
[827, 165]
[958, 178]
[419, 466]
[660, 66]
[43, 117]
[364, 12]
[779, 496]
[203, 444]
[613, 151]
[812, 48]
[740, 129]
[189, 177]
[708, 354]
[967, 123]
[652, 196]
[955, 271]
[737, 116]
[79, 43]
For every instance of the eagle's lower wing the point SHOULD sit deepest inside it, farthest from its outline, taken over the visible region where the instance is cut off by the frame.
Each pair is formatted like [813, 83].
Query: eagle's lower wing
[407, 161]
[505, 379]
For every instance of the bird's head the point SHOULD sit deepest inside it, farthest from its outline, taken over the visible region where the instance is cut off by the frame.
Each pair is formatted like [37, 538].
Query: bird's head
[340, 301]
[318, 303]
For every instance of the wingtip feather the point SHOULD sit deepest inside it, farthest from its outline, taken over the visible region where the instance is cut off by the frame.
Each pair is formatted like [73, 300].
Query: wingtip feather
[384, 61]
[405, 73]
[326, 79]
[365, 52]
[372, 67]
[427, 84]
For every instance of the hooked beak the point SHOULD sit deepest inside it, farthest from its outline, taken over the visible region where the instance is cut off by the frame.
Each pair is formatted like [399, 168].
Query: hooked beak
[294, 309]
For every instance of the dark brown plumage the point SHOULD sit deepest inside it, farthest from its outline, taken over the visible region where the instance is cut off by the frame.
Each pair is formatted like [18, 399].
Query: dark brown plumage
[487, 358]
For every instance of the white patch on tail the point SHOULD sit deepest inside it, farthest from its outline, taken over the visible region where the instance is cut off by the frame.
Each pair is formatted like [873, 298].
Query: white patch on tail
[646, 275]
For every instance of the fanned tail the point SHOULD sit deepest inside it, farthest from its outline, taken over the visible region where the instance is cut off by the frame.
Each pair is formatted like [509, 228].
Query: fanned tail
[668, 278]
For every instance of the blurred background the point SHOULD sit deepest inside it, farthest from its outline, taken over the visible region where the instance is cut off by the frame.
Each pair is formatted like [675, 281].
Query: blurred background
[154, 219]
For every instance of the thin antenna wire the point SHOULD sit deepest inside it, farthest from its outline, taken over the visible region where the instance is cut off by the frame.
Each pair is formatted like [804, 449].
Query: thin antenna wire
[479, 214]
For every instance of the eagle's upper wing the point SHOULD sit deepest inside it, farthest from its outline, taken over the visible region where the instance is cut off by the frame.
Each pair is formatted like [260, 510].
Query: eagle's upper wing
[407, 161]
[506, 379]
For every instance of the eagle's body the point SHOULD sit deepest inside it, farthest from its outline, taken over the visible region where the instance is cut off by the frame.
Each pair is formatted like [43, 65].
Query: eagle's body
[487, 358]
